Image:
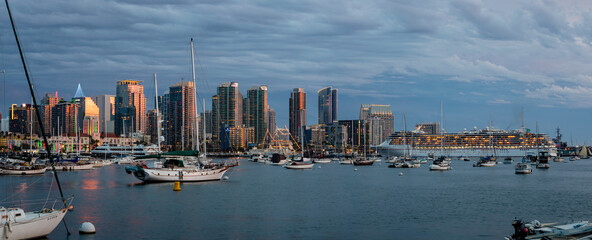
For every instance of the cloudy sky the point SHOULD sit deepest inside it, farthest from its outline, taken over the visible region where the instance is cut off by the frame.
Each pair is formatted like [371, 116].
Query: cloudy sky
[485, 59]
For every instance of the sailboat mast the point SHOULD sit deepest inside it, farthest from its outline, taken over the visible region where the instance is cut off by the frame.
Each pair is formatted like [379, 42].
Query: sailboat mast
[405, 134]
[441, 127]
[204, 126]
[157, 113]
[45, 141]
[194, 96]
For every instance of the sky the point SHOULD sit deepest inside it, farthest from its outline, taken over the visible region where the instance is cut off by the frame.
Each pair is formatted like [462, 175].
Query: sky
[486, 60]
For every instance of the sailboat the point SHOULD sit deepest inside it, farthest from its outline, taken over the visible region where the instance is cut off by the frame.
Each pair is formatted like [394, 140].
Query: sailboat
[364, 161]
[15, 223]
[303, 164]
[170, 166]
[407, 161]
[523, 167]
[442, 163]
[584, 152]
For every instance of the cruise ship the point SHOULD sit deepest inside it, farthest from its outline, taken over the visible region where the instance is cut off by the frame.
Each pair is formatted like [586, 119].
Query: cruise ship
[107, 150]
[471, 144]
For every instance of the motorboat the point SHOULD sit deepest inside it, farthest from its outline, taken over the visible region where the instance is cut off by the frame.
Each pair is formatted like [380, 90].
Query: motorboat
[488, 161]
[321, 160]
[346, 162]
[543, 160]
[461, 158]
[363, 162]
[441, 164]
[537, 230]
[558, 159]
[508, 160]
[278, 159]
[523, 167]
[299, 165]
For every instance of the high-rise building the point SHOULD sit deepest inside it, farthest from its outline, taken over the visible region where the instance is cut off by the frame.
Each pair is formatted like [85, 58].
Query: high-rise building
[87, 121]
[63, 118]
[47, 104]
[227, 109]
[255, 112]
[151, 129]
[20, 118]
[429, 128]
[355, 133]
[163, 107]
[241, 136]
[381, 121]
[297, 112]
[181, 116]
[106, 105]
[130, 108]
[327, 105]
[271, 123]
[207, 120]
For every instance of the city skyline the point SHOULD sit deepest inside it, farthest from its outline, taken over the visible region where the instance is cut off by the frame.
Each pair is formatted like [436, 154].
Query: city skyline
[483, 59]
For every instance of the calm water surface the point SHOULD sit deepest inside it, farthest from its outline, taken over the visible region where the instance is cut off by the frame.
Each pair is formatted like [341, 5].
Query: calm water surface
[332, 202]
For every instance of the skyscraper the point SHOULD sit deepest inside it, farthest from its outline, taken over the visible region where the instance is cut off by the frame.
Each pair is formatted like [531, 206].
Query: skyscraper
[255, 111]
[106, 105]
[47, 104]
[181, 116]
[87, 121]
[20, 118]
[327, 105]
[130, 107]
[271, 124]
[63, 118]
[297, 112]
[380, 119]
[227, 109]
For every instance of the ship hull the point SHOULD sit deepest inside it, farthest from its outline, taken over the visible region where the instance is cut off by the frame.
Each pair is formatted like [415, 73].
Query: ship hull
[514, 153]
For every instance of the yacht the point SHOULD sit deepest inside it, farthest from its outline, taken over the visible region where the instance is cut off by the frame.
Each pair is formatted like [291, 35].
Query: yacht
[107, 150]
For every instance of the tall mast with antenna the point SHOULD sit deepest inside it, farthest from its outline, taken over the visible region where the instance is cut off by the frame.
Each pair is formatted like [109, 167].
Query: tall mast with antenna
[157, 114]
[194, 96]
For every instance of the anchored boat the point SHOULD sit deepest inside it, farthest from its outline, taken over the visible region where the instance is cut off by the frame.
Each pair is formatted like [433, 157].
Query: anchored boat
[170, 167]
[537, 230]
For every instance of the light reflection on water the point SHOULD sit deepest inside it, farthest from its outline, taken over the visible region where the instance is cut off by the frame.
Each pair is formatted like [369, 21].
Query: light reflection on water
[269, 202]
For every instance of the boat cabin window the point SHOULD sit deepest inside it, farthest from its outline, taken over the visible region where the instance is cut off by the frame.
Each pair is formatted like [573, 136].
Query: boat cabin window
[173, 163]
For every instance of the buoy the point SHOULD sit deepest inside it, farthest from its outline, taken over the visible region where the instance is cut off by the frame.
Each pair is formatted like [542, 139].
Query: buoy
[355, 169]
[87, 228]
[319, 166]
[177, 186]
[226, 177]
[400, 174]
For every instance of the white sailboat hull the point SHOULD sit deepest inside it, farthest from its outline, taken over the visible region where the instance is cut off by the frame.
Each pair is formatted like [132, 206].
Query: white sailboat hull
[435, 167]
[300, 166]
[40, 225]
[88, 166]
[180, 175]
[22, 171]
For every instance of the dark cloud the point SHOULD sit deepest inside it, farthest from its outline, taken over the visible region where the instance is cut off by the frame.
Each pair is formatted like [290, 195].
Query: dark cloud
[405, 53]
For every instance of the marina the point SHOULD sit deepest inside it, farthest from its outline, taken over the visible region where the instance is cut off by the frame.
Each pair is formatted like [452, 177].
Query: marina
[257, 201]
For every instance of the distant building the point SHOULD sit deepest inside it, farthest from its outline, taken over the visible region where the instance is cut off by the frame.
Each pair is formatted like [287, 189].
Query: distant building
[63, 118]
[271, 124]
[130, 108]
[87, 122]
[297, 112]
[106, 105]
[381, 121]
[327, 105]
[45, 109]
[335, 137]
[429, 128]
[207, 116]
[241, 136]
[20, 118]
[163, 106]
[181, 116]
[227, 109]
[355, 133]
[255, 112]
[151, 130]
